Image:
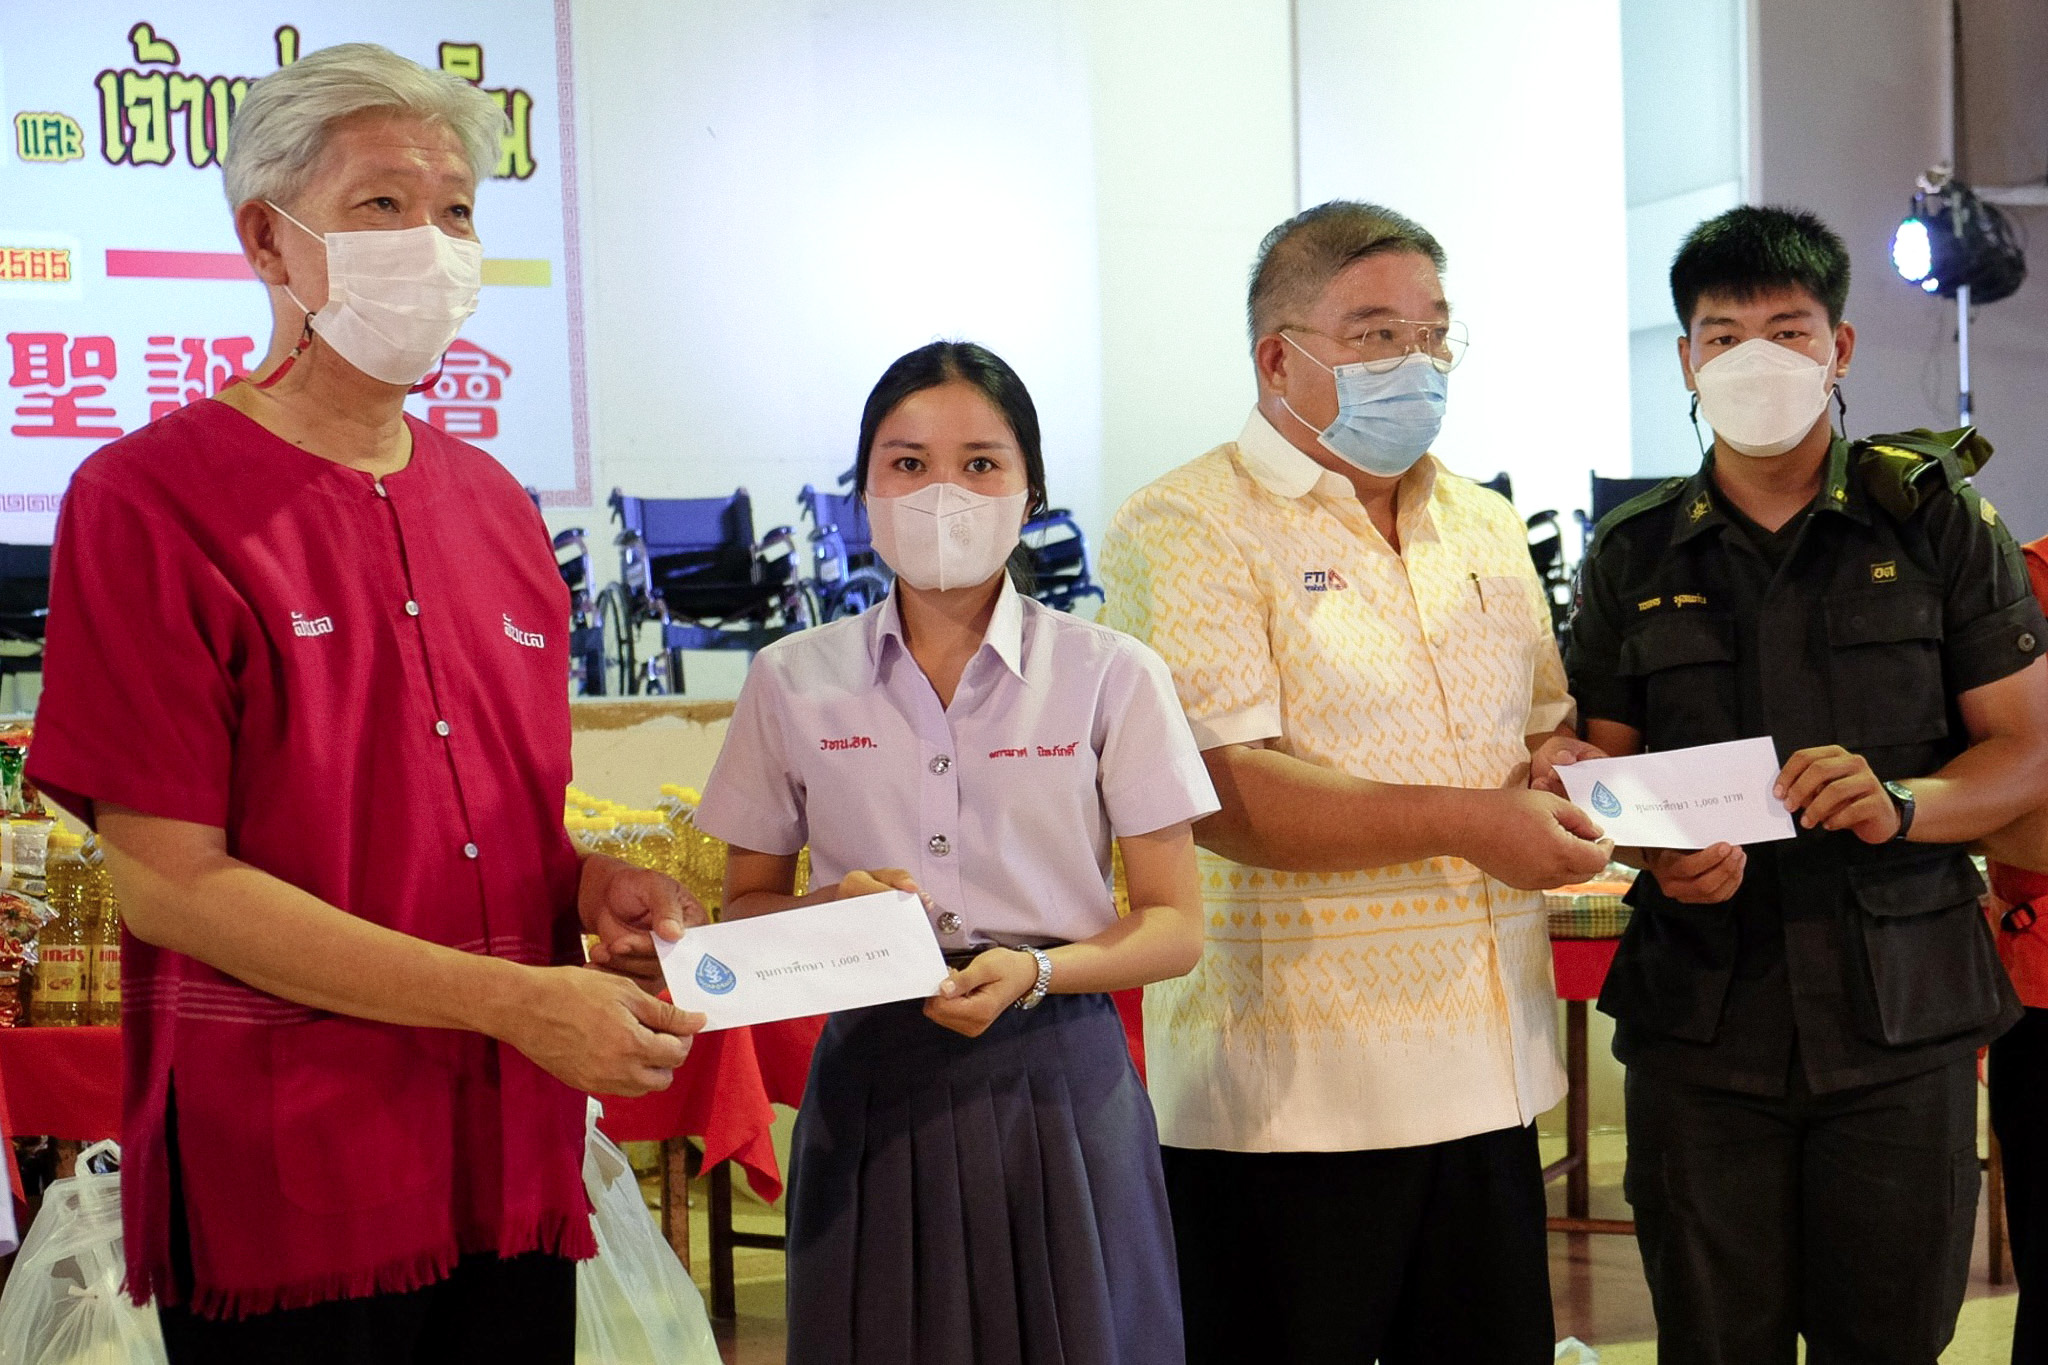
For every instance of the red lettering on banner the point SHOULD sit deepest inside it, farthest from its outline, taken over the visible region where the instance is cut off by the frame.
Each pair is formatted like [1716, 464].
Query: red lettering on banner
[463, 400]
[49, 361]
[185, 369]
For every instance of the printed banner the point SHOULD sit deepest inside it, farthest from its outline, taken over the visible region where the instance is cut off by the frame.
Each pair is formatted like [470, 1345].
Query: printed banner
[123, 292]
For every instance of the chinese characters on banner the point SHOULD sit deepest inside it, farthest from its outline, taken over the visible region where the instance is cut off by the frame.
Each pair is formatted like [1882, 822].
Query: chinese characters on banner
[123, 291]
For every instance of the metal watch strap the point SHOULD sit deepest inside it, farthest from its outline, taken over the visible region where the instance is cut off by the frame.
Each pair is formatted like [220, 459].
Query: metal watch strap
[1029, 1000]
[1904, 804]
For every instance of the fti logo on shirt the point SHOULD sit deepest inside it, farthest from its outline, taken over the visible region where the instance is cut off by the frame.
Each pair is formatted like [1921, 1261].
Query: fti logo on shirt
[532, 639]
[318, 625]
[1323, 580]
[849, 742]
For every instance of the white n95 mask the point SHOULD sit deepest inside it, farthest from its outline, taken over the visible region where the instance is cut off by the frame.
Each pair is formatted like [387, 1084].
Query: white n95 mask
[945, 536]
[1762, 398]
[395, 299]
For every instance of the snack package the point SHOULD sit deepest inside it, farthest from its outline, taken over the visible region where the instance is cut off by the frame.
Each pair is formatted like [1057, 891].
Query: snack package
[21, 917]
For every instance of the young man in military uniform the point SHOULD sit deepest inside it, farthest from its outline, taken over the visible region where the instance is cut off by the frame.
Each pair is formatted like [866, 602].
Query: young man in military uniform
[1800, 1019]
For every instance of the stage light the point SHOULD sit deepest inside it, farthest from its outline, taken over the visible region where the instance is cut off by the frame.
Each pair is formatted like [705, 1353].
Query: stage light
[1912, 257]
[1954, 245]
[1952, 240]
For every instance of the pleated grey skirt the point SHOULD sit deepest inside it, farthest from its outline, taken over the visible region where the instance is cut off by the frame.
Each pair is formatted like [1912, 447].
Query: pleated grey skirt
[979, 1201]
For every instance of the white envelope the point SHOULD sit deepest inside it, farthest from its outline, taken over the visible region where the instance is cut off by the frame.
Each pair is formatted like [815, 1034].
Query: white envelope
[1684, 798]
[811, 960]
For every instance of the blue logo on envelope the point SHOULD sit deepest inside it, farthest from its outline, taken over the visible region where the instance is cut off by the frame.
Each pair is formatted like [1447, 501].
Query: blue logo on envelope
[714, 976]
[1603, 802]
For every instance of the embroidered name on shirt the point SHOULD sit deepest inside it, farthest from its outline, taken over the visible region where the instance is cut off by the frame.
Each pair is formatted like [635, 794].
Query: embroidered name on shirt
[850, 742]
[1009, 753]
[319, 625]
[1887, 572]
[1688, 599]
[1323, 580]
[532, 639]
[1058, 750]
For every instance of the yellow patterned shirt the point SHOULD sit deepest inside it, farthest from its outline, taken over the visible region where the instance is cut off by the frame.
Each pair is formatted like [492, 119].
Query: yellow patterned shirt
[1386, 1007]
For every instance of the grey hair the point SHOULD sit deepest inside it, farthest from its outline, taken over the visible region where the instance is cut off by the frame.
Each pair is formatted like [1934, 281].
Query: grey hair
[1298, 259]
[282, 124]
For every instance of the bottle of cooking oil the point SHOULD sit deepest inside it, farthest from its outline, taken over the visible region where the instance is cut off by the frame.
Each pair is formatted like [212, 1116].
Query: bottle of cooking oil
[63, 958]
[654, 845]
[103, 941]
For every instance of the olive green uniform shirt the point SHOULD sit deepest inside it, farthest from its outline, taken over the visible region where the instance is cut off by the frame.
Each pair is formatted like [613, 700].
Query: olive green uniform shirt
[1851, 626]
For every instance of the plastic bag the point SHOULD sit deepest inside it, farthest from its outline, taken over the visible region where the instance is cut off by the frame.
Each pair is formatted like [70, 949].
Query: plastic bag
[634, 1301]
[1572, 1351]
[64, 1304]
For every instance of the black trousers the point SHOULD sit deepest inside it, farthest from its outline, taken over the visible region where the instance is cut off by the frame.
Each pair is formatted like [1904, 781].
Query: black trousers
[518, 1311]
[2019, 1115]
[1430, 1255]
[1845, 1218]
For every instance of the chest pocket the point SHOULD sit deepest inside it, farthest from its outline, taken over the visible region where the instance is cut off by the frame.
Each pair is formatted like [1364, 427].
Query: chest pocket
[1884, 660]
[1686, 661]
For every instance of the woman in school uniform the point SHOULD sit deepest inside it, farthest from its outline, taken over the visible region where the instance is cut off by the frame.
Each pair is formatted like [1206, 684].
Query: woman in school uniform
[976, 1176]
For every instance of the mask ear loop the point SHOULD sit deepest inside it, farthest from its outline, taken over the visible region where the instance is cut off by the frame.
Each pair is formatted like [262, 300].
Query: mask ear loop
[433, 378]
[1693, 416]
[305, 340]
[1842, 411]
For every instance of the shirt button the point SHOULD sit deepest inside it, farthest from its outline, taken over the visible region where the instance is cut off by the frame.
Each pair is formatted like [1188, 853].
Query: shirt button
[469, 850]
[941, 765]
[949, 923]
[441, 728]
[412, 608]
[379, 486]
[2026, 641]
[940, 845]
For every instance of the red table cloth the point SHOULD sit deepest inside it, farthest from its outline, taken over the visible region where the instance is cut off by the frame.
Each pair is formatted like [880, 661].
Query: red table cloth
[1581, 965]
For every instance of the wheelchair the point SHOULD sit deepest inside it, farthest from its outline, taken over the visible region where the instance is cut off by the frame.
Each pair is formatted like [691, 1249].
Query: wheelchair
[24, 608]
[691, 567]
[1546, 551]
[586, 624]
[847, 576]
[1059, 560]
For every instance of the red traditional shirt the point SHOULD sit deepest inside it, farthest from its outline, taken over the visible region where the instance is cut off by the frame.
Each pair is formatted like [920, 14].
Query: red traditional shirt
[2024, 947]
[364, 683]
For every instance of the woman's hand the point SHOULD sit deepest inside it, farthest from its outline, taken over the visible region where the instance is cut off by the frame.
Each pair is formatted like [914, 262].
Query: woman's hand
[970, 999]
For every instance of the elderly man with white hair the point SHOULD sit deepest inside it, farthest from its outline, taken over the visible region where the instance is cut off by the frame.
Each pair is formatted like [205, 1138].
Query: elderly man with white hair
[328, 779]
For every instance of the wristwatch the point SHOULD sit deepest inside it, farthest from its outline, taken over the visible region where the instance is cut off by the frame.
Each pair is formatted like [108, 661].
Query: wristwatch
[1029, 1000]
[1902, 800]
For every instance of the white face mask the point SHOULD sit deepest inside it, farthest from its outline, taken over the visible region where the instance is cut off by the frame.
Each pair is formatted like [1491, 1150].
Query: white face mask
[1762, 398]
[945, 536]
[395, 299]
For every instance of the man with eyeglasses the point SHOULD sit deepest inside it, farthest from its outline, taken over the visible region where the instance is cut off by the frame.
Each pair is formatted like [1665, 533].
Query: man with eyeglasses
[1347, 1083]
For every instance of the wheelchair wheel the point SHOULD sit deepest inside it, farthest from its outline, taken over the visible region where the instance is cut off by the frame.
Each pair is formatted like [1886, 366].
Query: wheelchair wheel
[801, 610]
[621, 665]
[864, 587]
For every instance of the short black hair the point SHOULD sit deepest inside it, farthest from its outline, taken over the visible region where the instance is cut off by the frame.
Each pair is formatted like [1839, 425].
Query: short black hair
[1298, 259]
[942, 362]
[1747, 250]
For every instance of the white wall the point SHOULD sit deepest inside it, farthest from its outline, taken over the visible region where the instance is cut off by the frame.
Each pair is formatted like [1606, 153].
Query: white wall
[1686, 132]
[1194, 162]
[781, 198]
[1497, 125]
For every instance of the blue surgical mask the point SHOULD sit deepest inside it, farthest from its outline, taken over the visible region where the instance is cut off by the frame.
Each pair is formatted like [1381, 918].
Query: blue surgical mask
[1386, 419]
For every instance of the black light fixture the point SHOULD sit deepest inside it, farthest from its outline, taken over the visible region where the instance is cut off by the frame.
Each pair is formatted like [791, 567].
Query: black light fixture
[1956, 246]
